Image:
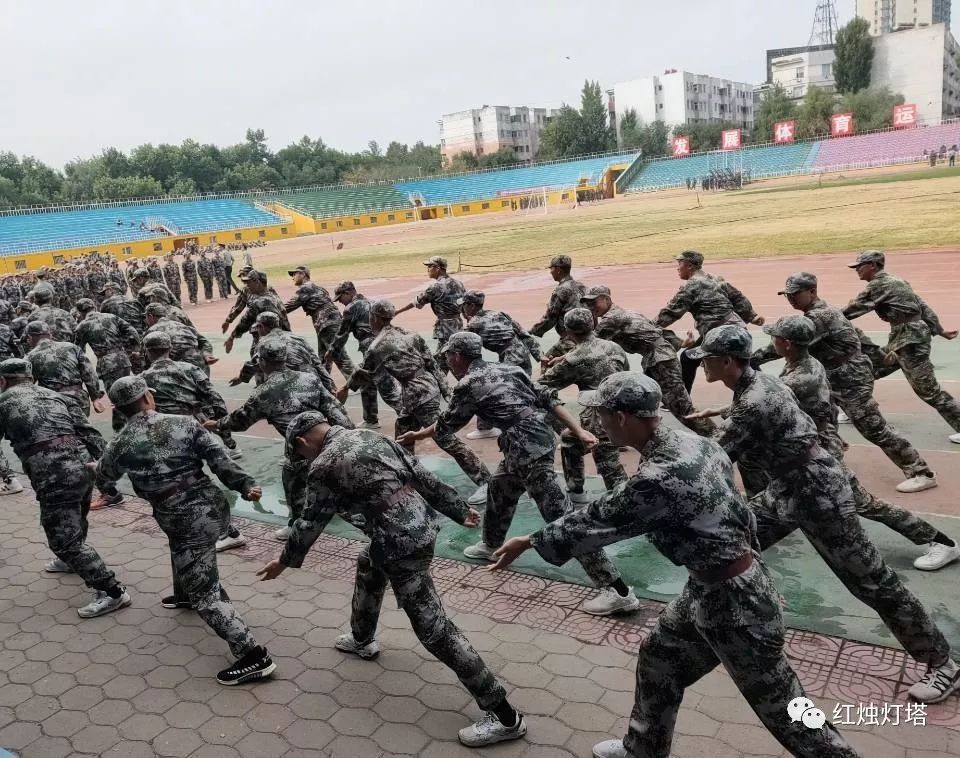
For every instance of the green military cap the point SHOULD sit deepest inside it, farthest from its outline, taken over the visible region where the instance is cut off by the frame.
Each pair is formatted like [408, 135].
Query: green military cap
[158, 310]
[561, 261]
[15, 367]
[344, 287]
[254, 276]
[798, 329]
[111, 285]
[85, 305]
[37, 327]
[272, 351]
[301, 424]
[594, 292]
[799, 282]
[578, 321]
[299, 270]
[383, 308]
[269, 319]
[465, 343]
[127, 389]
[44, 290]
[627, 391]
[691, 256]
[436, 260]
[472, 296]
[870, 256]
[731, 340]
[140, 273]
[25, 305]
[157, 341]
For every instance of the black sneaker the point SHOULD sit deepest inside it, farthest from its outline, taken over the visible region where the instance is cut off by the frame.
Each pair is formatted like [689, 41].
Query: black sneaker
[254, 665]
[170, 601]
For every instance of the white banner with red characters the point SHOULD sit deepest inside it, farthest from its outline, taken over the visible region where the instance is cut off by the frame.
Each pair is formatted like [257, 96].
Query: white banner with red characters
[732, 139]
[841, 124]
[784, 131]
[681, 147]
[904, 115]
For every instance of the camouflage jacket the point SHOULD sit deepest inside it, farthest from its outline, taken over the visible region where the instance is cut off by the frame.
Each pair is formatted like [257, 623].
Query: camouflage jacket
[355, 321]
[116, 275]
[189, 268]
[267, 302]
[243, 297]
[442, 295]
[374, 477]
[155, 292]
[893, 299]
[205, 268]
[283, 395]
[155, 272]
[499, 334]
[187, 342]
[94, 281]
[110, 338]
[63, 367]
[127, 309]
[586, 365]
[565, 297]
[636, 334]
[180, 387]
[31, 415]
[807, 379]
[171, 275]
[710, 300]
[316, 303]
[506, 398]
[62, 325]
[406, 357]
[9, 344]
[164, 454]
[219, 268]
[300, 357]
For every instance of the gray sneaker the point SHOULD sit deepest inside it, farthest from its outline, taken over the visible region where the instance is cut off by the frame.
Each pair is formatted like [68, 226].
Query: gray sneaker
[479, 496]
[479, 552]
[283, 533]
[608, 601]
[347, 644]
[489, 731]
[56, 566]
[102, 603]
[610, 749]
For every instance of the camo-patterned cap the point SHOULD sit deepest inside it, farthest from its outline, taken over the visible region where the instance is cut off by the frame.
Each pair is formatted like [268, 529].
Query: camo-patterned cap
[799, 282]
[157, 341]
[561, 261]
[476, 297]
[691, 256]
[301, 424]
[383, 308]
[111, 285]
[870, 256]
[627, 391]
[37, 327]
[730, 340]
[344, 287]
[578, 321]
[158, 310]
[268, 319]
[594, 292]
[127, 389]
[272, 351]
[140, 273]
[798, 329]
[436, 260]
[465, 343]
[15, 367]
[85, 305]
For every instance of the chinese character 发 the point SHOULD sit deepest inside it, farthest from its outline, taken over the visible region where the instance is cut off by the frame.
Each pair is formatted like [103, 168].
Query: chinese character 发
[868, 714]
[891, 713]
[843, 714]
[916, 714]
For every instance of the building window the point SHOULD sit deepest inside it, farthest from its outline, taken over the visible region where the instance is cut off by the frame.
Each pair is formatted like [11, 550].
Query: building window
[339, 222]
[59, 260]
[799, 72]
[391, 217]
[565, 196]
[826, 71]
[446, 211]
[485, 206]
[127, 251]
[237, 236]
[323, 224]
[262, 233]
[409, 214]
[20, 265]
[356, 222]
[157, 247]
[212, 239]
[283, 230]
[465, 208]
[504, 203]
[373, 219]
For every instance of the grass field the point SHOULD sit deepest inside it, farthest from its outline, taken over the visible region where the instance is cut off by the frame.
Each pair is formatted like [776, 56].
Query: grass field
[888, 210]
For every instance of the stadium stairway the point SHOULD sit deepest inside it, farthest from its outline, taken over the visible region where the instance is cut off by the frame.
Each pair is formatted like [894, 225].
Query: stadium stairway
[344, 201]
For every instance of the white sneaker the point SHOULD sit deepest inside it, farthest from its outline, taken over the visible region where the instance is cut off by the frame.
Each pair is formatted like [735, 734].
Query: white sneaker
[479, 496]
[937, 684]
[917, 484]
[479, 552]
[347, 644]
[610, 749]
[843, 418]
[102, 603]
[283, 534]
[489, 731]
[228, 542]
[955, 438]
[56, 566]
[11, 487]
[370, 425]
[236, 454]
[581, 498]
[483, 434]
[937, 556]
[608, 601]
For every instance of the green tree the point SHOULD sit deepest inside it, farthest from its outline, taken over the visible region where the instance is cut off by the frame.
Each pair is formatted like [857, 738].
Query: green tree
[854, 51]
[630, 130]
[503, 157]
[703, 135]
[774, 107]
[872, 109]
[596, 135]
[563, 135]
[654, 140]
[813, 116]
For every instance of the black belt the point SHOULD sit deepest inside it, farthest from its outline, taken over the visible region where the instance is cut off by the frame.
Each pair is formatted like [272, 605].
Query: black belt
[524, 414]
[181, 485]
[39, 447]
[732, 569]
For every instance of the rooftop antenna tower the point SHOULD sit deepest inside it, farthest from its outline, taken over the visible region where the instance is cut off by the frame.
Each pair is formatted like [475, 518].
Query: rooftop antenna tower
[825, 24]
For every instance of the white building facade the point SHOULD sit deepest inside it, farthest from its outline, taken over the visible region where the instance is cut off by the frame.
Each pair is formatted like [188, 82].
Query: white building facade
[887, 16]
[799, 71]
[485, 130]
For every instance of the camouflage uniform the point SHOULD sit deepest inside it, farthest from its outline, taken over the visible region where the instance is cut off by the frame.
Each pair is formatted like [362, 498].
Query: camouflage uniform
[565, 297]
[95, 280]
[300, 357]
[115, 275]
[205, 272]
[164, 455]
[64, 368]
[111, 339]
[506, 398]
[809, 490]
[220, 274]
[188, 344]
[400, 502]
[60, 323]
[912, 324]
[502, 335]
[586, 365]
[171, 275]
[155, 272]
[326, 319]
[257, 304]
[54, 444]
[442, 295]
[127, 309]
[9, 344]
[189, 267]
[406, 357]
[683, 498]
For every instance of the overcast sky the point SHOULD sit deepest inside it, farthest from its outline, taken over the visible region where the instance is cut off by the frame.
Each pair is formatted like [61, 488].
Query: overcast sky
[80, 76]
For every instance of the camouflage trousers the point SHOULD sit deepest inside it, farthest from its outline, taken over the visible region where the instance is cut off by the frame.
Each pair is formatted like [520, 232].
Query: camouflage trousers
[443, 328]
[108, 377]
[192, 521]
[423, 416]
[515, 354]
[816, 500]
[416, 595]
[325, 338]
[192, 289]
[207, 287]
[914, 360]
[703, 627]
[174, 286]
[540, 480]
[222, 287]
[293, 478]
[606, 456]
[853, 392]
[676, 398]
[63, 486]
[388, 388]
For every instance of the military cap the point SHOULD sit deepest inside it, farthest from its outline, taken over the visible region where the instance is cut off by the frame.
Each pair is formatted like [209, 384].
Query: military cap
[140, 273]
[436, 260]
[268, 318]
[44, 290]
[870, 256]
[272, 351]
[561, 261]
[344, 287]
[627, 391]
[254, 276]
[301, 424]
[15, 367]
[85, 305]
[472, 296]
[300, 270]
[111, 285]
[732, 340]
[578, 321]
[157, 341]
[246, 268]
[127, 389]
[383, 308]
[465, 343]
[158, 310]
[37, 327]
[594, 292]
[25, 305]
[798, 329]
[691, 256]
[798, 282]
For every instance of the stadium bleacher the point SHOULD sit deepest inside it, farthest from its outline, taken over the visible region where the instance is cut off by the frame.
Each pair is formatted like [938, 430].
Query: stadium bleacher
[92, 226]
[343, 201]
[885, 147]
[488, 184]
